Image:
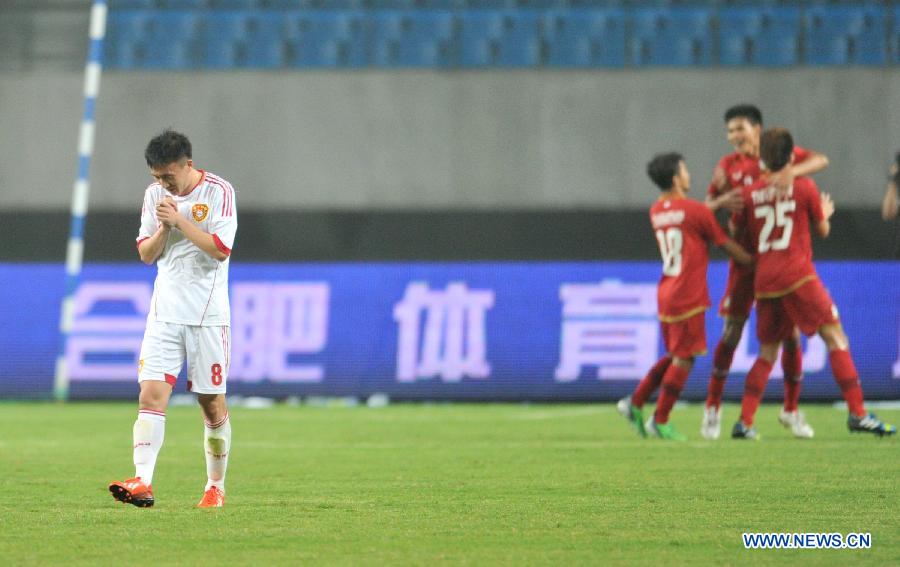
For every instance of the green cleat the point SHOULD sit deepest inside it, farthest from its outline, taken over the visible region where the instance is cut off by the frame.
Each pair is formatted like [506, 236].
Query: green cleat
[633, 414]
[664, 431]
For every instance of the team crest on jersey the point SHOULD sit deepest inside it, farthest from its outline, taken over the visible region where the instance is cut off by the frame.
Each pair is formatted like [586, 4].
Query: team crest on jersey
[199, 212]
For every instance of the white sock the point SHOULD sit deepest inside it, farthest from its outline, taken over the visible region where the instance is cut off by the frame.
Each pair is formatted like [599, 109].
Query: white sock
[217, 442]
[149, 431]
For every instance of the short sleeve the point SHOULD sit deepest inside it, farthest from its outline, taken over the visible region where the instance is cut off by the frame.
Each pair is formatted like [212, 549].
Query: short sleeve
[223, 224]
[711, 229]
[801, 154]
[149, 223]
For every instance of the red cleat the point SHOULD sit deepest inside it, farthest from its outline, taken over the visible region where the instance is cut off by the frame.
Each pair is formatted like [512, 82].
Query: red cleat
[212, 498]
[132, 491]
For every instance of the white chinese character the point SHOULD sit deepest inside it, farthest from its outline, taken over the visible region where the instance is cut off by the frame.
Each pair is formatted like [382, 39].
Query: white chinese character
[107, 347]
[452, 341]
[609, 325]
[272, 325]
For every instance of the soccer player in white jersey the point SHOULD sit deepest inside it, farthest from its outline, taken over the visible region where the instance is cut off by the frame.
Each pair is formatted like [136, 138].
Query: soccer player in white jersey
[188, 223]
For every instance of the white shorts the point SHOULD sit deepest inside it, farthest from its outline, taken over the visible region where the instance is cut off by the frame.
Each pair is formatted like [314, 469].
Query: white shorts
[207, 349]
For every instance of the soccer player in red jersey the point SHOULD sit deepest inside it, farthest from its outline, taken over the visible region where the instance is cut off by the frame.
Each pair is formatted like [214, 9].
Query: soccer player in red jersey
[684, 228]
[734, 171]
[777, 216]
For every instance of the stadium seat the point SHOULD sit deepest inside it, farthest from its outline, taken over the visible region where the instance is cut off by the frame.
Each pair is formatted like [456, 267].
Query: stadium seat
[125, 31]
[182, 4]
[264, 46]
[895, 36]
[325, 38]
[499, 38]
[222, 38]
[170, 41]
[671, 36]
[413, 39]
[131, 4]
[763, 36]
[845, 35]
[585, 38]
[235, 4]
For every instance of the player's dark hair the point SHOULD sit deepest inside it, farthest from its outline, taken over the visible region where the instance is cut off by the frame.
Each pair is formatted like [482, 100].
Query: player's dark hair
[662, 168]
[775, 148]
[168, 147]
[748, 111]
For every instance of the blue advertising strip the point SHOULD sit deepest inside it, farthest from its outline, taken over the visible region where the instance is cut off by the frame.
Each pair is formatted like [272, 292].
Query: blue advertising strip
[441, 331]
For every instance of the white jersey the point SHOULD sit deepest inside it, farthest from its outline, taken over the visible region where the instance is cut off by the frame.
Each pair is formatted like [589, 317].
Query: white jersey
[191, 287]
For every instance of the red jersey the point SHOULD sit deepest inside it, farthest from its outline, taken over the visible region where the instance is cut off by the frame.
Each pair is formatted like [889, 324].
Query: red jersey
[740, 170]
[778, 226]
[683, 229]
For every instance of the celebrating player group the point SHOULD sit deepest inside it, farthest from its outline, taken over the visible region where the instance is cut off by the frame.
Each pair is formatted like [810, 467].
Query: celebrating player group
[773, 208]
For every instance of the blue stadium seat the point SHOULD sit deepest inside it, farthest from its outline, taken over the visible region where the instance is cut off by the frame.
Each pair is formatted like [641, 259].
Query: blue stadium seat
[325, 38]
[671, 36]
[585, 38]
[845, 35]
[170, 41]
[236, 4]
[765, 36]
[222, 38]
[182, 4]
[125, 31]
[131, 4]
[264, 47]
[895, 36]
[413, 39]
[499, 38]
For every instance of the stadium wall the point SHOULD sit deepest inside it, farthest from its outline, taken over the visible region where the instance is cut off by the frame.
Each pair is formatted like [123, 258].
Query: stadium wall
[436, 140]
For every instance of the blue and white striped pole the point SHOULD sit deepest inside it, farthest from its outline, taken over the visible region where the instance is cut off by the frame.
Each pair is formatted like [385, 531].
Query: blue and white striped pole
[81, 190]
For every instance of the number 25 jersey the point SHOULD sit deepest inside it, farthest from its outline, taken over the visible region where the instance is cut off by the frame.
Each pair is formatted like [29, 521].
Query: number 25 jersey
[778, 225]
[684, 228]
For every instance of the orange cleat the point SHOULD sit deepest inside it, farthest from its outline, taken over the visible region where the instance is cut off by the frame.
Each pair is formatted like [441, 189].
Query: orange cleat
[212, 498]
[132, 491]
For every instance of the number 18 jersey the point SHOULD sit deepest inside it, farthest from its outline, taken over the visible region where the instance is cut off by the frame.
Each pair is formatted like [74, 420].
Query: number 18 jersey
[684, 228]
[778, 225]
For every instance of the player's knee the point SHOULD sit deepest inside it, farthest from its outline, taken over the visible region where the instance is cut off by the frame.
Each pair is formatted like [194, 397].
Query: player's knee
[768, 352]
[732, 332]
[213, 406]
[834, 337]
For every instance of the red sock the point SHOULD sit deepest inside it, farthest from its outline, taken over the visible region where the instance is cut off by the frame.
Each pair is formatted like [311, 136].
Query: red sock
[754, 386]
[792, 363]
[721, 365]
[650, 382]
[672, 383]
[848, 380]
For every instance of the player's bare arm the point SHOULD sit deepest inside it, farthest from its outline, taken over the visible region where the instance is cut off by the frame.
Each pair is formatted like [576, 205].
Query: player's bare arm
[730, 199]
[737, 252]
[815, 163]
[152, 248]
[168, 214]
[823, 228]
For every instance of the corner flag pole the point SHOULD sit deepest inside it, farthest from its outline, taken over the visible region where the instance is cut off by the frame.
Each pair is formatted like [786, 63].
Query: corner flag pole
[80, 192]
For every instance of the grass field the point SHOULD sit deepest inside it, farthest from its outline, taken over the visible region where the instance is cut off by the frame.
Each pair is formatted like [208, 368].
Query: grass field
[451, 484]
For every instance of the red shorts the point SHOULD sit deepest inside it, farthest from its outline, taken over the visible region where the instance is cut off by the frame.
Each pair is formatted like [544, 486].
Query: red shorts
[807, 307]
[738, 299]
[685, 338]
